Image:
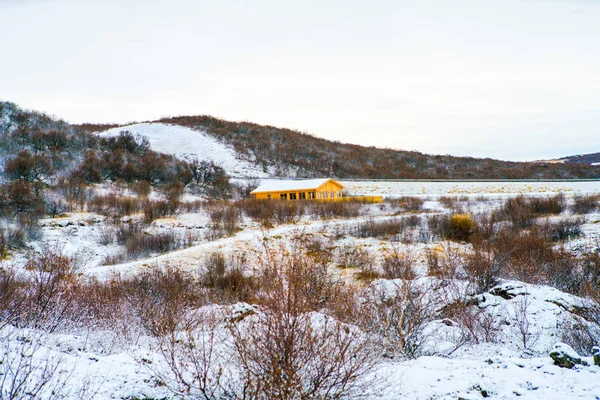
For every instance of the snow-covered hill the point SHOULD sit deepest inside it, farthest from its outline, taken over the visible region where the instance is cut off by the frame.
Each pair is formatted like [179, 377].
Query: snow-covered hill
[186, 143]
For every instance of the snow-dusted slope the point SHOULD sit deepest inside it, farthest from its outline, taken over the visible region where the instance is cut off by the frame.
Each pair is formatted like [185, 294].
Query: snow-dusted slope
[184, 143]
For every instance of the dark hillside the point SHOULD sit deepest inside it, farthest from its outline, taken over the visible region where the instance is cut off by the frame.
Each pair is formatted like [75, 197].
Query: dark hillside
[293, 153]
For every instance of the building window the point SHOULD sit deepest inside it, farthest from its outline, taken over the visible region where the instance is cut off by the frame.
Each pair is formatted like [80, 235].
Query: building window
[269, 196]
[292, 196]
[283, 196]
[339, 194]
[311, 195]
[302, 195]
[325, 195]
[332, 195]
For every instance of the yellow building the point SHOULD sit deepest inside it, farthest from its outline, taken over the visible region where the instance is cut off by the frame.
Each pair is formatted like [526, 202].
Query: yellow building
[308, 189]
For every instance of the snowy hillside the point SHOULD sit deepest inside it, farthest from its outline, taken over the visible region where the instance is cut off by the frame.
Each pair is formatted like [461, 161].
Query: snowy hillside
[186, 143]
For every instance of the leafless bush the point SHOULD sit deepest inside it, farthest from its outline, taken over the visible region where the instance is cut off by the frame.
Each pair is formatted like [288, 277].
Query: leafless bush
[448, 202]
[45, 300]
[444, 262]
[224, 217]
[155, 209]
[398, 263]
[383, 228]
[160, 297]
[286, 352]
[585, 204]
[397, 312]
[457, 227]
[107, 236]
[142, 189]
[517, 211]
[483, 266]
[353, 256]
[548, 205]
[27, 370]
[114, 205]
[407, 203]
[476, 325]
[521, 211]
[526, 332]
[336, 209]
[259, 210]
[563, 229]
[564, 272]
[195, 360]
[228, 278]
[580, 333]
[138, 243]
[526, 254]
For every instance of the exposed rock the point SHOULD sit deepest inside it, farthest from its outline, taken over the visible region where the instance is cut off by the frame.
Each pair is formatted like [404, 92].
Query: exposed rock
[504, 292]
[596, 354]
[565, 357]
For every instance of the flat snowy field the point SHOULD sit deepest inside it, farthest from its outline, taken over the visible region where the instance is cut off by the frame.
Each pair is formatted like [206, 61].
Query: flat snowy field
[394, 189]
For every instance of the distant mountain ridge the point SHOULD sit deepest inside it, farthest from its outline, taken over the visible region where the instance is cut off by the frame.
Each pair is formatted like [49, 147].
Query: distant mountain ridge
[587, 159]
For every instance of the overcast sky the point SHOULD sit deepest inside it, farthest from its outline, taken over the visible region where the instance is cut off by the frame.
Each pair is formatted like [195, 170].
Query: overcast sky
[510, 79]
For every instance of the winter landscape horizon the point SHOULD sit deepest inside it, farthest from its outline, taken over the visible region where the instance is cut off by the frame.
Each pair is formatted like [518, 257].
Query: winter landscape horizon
[316, 201]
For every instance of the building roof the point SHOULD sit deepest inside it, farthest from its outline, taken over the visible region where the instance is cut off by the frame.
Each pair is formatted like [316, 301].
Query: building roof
[290, 185]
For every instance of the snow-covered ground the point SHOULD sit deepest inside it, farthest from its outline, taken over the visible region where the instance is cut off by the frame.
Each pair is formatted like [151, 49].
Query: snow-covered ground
[184, 143]
[500, 370]
[394, 189]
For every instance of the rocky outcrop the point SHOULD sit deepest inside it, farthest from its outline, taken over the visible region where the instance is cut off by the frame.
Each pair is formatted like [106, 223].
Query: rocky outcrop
[565, 357]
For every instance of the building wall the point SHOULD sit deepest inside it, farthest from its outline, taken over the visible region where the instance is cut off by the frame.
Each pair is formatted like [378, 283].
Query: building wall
[329, 191]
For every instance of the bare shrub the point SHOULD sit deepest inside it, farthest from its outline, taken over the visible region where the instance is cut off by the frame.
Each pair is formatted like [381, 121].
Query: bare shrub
[46, 299]
[397, 312]
[563, 229]
[286, 352]
[585, 204]
[526, 332]
[457, 227]
[383, 228]
[407, 203]
[155, 209]
[138, 243]
[160, 296]
[580, 333]
[286, 212]
[224, 217]
[398, 263]
[114, 205]
[517, 211]
[336, 209]
[483, 266]
[443, 262]
[526, 254]
[259, 210]
[563, 272]
[28, 370]
[195, 362]
[521, 211]
[142, 189]
[228, 278]
[476, 325]
[22, 199]
[553, 205]
[352, 256]
[448, 202]
[173, 192]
